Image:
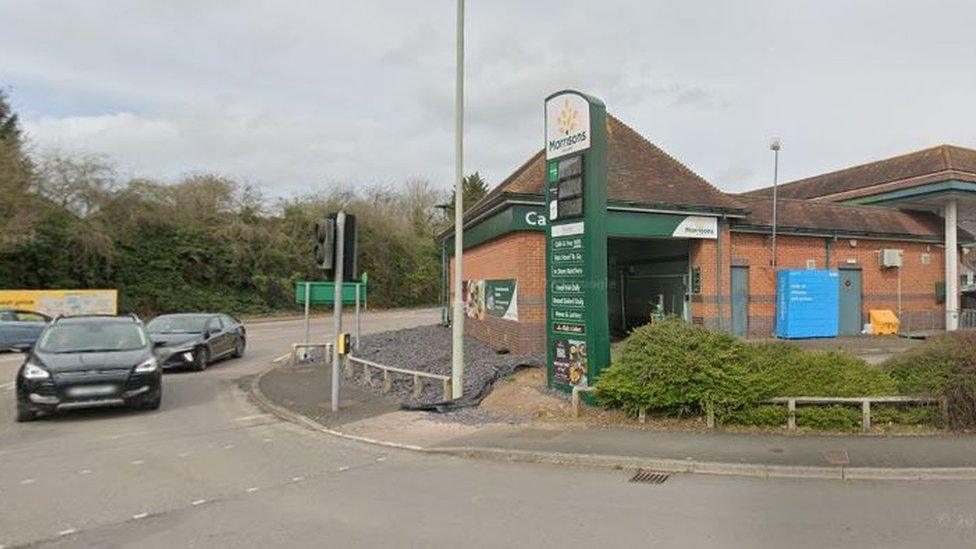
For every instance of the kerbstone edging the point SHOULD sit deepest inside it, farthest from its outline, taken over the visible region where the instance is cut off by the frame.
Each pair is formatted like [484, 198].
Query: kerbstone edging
[754, 470]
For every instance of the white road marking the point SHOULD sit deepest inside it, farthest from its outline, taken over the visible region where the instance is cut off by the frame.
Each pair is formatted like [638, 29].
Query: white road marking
[267, 440]
[280, 358]
[7, 385]
[228, 446]
[67, 532]
[297, 479]
[343, 468]
[137, 462]
[198, 502]
[138, 516]
[250, 490]
[84, 472]
[255, 416]
[381, 458]
[184, 454]
[28, 481]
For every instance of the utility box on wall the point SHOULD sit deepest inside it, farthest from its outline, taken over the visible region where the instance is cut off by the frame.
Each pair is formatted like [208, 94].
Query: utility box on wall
[807, 303]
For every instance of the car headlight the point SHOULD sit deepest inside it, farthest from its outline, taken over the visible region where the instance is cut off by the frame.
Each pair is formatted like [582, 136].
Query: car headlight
[147, 366]
[33, 371]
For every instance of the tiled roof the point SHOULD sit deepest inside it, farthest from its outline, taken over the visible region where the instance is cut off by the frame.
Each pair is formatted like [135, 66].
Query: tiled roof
[920, 167]
[829, 217]
[637, 172]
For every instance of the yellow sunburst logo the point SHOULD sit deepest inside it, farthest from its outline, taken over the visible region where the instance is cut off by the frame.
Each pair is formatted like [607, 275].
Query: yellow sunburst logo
[568, 120]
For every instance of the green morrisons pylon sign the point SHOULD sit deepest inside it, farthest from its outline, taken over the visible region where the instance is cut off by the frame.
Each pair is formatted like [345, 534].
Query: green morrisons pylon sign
[578, 342]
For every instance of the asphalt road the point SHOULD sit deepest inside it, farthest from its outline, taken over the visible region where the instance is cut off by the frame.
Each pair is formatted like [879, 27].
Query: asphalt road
[210, 470]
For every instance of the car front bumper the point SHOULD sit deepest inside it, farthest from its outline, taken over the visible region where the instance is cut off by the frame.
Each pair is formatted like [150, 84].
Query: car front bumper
[69, 392]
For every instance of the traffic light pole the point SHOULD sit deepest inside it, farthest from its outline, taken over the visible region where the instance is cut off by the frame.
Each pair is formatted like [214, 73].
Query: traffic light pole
[337, 306]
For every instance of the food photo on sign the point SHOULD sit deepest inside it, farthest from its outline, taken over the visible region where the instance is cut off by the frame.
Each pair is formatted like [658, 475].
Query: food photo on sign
[497, 298]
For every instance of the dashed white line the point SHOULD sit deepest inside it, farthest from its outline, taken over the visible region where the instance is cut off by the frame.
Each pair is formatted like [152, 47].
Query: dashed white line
[198, 502]
[228, 446]
[381, 458]
[137, 462]
[280, 358]
[344, 468]
[297, 479]
[138, 516]
[184, 454]
[67, 532]
[84, 472]
[28, 481]
[254, 416]
[267, 440]
[250, 490]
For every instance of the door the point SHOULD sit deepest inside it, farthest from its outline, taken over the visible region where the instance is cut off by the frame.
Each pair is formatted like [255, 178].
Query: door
[849, 322]
[740, 301]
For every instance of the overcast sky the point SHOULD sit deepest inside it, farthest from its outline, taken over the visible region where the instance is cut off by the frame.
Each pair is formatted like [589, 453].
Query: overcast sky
[295, 95]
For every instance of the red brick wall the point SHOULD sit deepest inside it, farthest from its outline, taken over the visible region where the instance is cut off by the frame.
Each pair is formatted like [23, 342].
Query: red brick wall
[522, 256]
[711, 306]
[879, 286]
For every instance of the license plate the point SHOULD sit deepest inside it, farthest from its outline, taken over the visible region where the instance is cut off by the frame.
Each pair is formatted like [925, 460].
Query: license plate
[92, 390]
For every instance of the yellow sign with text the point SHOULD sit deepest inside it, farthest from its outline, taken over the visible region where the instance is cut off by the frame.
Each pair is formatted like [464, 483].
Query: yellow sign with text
[62, 302]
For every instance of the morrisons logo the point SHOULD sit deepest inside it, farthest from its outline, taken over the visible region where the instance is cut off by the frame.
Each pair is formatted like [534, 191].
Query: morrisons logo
[563, 142]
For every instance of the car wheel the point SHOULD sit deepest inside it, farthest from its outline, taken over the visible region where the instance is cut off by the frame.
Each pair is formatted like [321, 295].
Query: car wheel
[25, 414]
[201, 357]
[239, 347]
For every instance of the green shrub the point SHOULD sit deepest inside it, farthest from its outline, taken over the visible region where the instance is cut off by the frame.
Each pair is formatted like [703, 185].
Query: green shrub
[829, 418]
[679, 369]
[943, 367]
[906, 415]
[766, 415]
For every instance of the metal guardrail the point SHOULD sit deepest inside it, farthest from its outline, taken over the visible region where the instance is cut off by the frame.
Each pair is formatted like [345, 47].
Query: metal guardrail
[967, 319]
[791, 402]
[865, 403]
[388, 372]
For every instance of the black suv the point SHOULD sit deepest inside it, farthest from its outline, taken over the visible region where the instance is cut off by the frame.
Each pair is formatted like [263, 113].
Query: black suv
[89, 361]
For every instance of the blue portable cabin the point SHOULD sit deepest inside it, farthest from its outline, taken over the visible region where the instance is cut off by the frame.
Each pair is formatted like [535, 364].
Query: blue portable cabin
[807, 303]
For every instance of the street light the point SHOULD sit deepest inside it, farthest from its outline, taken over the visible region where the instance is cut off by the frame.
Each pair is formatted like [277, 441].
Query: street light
[457, 324]
[774, 146]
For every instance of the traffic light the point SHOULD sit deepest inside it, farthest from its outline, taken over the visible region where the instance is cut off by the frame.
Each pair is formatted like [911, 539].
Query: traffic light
[325, 244]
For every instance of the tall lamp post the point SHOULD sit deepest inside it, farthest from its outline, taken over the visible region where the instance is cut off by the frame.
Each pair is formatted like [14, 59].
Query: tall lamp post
[774, 146]
[457, 323]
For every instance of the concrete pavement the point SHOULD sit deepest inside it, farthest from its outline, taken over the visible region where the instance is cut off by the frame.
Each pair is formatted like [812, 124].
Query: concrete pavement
[366, 415]
[212, 470]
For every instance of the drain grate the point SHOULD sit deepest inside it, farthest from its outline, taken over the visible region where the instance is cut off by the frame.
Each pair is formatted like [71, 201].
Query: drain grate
[649, 477]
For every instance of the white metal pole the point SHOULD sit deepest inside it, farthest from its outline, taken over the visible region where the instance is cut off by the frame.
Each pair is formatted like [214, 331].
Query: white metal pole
[951, 266]
[308, 298]
[457, 357]
[359, 323]
[775, 148]
[337, 306]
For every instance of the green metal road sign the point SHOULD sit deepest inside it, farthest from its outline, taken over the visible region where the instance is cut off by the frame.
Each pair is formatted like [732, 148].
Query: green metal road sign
[578, 342]
[322, 292]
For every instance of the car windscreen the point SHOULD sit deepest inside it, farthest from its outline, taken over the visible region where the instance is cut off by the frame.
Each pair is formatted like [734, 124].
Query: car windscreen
[94, 337]
[177, 324]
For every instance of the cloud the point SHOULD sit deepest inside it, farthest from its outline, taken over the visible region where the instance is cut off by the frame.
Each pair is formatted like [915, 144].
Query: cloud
[310, 91]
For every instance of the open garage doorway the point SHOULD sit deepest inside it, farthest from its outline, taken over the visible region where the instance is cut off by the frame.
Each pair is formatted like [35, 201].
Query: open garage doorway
[646, 277]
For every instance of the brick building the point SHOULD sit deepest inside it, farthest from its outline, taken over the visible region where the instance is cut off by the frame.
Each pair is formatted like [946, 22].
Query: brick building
[679, 245]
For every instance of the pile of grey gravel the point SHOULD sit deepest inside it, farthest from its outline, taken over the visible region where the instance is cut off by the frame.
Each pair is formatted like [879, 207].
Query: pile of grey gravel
[428, 349]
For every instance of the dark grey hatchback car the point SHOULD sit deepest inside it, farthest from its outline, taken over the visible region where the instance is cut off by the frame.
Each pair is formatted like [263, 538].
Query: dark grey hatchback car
[194, 340]
[89, 361]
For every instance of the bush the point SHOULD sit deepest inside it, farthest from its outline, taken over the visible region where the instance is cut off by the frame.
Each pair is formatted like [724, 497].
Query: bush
[680, 369]
[943, 367]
